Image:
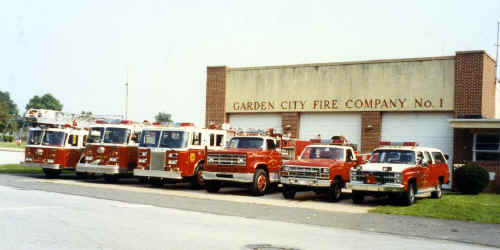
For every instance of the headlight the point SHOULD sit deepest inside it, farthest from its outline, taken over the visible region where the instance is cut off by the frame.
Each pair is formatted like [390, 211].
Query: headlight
[324, 170]
[50, 160]
[144, 154]
[397, 177]
[284, 168]
[173, 155]
[142, 160]
[172, 162]
[211, 160]
[89, 158]
[100, 150]
[241, 161]
[112, 158]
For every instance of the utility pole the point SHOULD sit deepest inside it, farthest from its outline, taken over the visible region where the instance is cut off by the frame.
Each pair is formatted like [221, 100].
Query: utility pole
[497, 45]
[126, 97]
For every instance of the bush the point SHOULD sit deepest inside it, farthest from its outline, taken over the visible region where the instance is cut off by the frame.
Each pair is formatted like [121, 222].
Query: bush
[471, 179]
[8, 138]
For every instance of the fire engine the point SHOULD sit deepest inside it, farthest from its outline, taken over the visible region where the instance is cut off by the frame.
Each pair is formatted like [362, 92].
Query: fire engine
[177, 153]
[57, 140]
[400, 170]
[252, 158]
[322, 168]
[111, 149]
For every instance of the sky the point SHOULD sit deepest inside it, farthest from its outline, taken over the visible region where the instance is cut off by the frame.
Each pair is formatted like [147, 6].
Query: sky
[80, 51]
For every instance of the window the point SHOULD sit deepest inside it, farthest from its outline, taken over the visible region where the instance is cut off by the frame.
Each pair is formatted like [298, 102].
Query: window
[270, 145]
[331, 153]
[196, 139]
[438, 157]
[84, 140]
[427, 157]
[219, 140]
[73, 140]
[246, 142]
[486, 147]
[350, 155]
[212, 140]
[393, 156]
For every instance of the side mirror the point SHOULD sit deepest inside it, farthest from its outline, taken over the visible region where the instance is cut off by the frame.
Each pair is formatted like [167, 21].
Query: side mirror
[446, 157]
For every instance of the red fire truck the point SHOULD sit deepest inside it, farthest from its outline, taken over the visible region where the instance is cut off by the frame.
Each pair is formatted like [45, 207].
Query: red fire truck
[322, 168]
[176, 153]
[400, 170]
[57, 140]
[251, 158]
[111, 149]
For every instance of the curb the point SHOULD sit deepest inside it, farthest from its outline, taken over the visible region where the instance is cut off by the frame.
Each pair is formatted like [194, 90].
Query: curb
[12, 149]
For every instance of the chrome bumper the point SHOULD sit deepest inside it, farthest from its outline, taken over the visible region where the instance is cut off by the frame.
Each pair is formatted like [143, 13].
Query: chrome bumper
[158, 173]
[40, 165]
[223, 176]
[396, 188]
[100, 169]
[305, 182]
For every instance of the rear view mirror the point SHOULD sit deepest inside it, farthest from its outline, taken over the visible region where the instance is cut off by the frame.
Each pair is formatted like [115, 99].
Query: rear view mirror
[446, 157]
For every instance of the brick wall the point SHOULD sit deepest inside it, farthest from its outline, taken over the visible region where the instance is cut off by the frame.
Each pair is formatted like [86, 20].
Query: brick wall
[371, 130]
[292, 119]
[215, 96]
[468, 83]
[489, 88]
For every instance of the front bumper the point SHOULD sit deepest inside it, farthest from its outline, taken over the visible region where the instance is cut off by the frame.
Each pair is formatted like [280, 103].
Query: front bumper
[40, 165]
[305, 182]
[100, 169]
[158, 173]
[390, 188]
[231, 177]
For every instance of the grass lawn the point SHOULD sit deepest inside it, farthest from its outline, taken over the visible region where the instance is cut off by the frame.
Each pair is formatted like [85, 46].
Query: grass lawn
[11, 145]
[481, 208]
[18, 169]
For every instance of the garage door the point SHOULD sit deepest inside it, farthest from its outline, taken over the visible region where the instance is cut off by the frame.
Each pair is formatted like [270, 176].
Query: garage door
[331, 124]
[428, 129]
[255, 121]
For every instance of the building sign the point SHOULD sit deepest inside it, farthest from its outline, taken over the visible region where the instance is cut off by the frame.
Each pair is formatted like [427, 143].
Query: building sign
[425, 85]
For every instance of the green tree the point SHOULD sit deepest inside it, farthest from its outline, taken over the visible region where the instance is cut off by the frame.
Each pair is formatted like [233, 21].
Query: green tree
[47, 101]
[163, 117]
[5, 117]
[11, 106]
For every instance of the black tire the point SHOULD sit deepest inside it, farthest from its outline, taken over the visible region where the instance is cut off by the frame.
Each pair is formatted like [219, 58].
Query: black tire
[156, 182]
[212, 186]
[408, 197]
[357, 197]
[197, 181]
[289, 192]
[82, 175]
[335, 191]
[261, 183]
[51, 173]
[142, 180]
[439, 191]
[111, 178]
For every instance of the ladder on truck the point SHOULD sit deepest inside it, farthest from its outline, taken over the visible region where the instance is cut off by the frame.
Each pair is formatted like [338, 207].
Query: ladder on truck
[61, 119]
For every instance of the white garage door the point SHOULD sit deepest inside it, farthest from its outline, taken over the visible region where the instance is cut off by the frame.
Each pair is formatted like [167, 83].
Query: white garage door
[331, 124]
[427, 129]
[255, 121]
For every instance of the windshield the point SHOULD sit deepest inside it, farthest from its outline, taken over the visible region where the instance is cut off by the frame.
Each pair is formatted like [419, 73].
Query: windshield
[173, 139]
[149, 138]
[54, 138]
[35, 137]
[323, 153]
[393, 156]
[246, 142]
[95, 135]
[116, 135]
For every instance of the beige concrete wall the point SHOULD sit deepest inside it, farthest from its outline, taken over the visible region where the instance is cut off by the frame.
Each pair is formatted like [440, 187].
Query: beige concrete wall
[425, 84]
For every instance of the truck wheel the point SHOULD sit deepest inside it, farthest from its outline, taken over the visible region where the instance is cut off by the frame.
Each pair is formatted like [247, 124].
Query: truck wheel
[438, 193]
[357, 197]
[261, 183]
[197, 181]
[335, 192]
[51, 173]
[212, 186]
[142, 179]
[289, 192]
[82, 175]
[156, 182]
[409, 196]
[111, 178]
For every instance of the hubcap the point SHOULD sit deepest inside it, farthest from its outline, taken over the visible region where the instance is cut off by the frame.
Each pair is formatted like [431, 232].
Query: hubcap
[337, 191]
[261, 182]
[201, 181]
[412, 194]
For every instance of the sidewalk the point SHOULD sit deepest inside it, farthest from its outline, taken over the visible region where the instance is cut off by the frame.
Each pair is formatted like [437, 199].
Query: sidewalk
[12, 149]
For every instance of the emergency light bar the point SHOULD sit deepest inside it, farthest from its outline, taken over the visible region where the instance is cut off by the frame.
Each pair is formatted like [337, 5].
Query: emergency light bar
[388, 143]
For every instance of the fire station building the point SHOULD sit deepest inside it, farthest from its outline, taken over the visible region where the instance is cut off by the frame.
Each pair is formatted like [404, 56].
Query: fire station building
[367, 102]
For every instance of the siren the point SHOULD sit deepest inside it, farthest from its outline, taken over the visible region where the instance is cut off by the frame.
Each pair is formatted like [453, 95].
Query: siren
[406, 144]
[187, 124]
[127, 122]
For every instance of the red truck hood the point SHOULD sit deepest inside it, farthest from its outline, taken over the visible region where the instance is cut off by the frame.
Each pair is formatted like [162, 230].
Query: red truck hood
[234, 151]
[313, 162]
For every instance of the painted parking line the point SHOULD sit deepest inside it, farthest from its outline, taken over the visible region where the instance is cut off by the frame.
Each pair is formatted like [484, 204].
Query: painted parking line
[315, 205]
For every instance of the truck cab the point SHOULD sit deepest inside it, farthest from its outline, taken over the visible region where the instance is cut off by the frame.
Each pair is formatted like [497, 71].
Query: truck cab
[54, 149]
[253, 160]
[111, 150]
[402, 171]
[176, 154]
[320, 168]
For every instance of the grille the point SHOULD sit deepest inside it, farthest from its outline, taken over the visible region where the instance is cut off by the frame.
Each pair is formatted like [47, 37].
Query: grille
[302, 171]
[382, 177]
[157, 161]
[227, 159]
